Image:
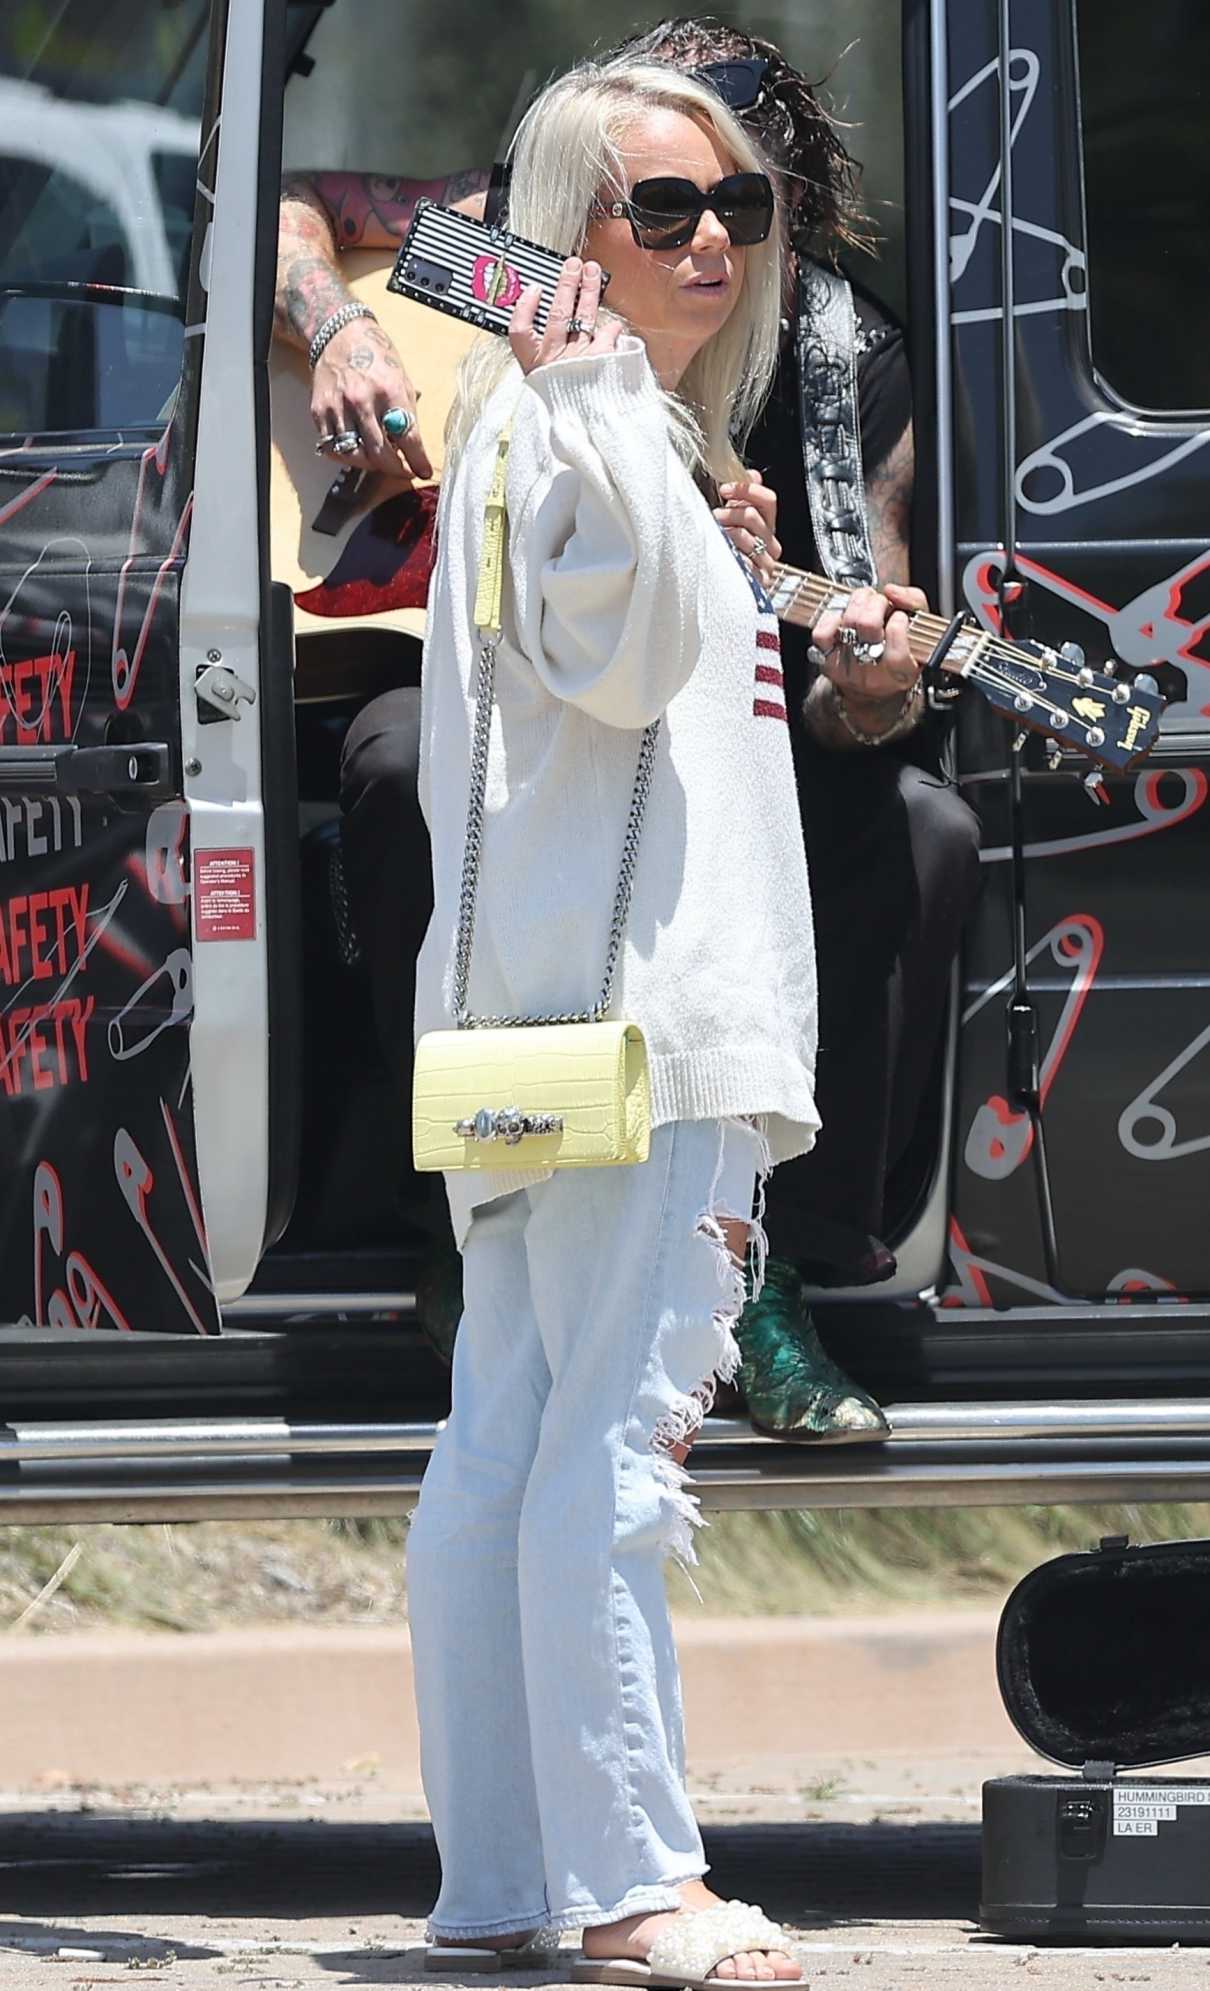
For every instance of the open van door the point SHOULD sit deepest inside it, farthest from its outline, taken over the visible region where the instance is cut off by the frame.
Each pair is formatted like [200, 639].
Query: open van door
[144, 668]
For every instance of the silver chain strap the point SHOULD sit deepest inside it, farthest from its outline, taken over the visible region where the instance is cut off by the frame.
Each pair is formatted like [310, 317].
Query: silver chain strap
[472, 858]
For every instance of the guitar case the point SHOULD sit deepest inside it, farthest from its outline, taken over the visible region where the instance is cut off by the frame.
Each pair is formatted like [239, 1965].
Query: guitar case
[1104, 1667]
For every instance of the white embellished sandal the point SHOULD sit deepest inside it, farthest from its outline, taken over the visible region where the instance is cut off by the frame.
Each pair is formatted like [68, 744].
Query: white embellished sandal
[689, 1950]
[459, 1959]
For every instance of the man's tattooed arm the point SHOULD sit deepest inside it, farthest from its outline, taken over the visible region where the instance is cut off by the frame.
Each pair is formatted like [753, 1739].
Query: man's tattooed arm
[309, 285]
[889, 507]
[889, 503]
[323, 213]
[370, 212]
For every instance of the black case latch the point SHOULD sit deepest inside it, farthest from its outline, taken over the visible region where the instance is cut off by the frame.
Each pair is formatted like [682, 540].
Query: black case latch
[1083, 1822]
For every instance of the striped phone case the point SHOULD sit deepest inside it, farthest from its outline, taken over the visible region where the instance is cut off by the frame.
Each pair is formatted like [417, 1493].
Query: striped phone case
[473, 272]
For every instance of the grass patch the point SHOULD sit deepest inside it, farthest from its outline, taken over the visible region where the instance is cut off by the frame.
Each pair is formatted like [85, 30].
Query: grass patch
[201, 1576]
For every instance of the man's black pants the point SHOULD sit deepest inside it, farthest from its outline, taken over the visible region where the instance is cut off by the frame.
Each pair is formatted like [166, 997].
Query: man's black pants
[894, 861]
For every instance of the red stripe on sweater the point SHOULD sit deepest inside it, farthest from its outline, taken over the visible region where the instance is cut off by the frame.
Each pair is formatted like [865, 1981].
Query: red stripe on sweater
[765, 709]
[766, 674]
[768, 639]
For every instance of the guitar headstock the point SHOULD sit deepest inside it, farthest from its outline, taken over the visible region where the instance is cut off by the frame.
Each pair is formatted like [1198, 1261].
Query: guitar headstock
[1055, 692]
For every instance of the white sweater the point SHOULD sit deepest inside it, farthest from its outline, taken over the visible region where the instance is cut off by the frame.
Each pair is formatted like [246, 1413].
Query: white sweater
[623, 600]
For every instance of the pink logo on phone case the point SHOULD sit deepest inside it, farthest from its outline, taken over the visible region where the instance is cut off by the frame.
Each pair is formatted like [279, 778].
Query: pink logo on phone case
[494, 281]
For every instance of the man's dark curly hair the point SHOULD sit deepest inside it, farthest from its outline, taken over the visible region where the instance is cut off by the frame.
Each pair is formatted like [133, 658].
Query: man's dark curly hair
[789, 122]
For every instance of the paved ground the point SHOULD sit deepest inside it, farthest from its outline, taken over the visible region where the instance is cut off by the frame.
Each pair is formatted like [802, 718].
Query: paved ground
[874, 1862]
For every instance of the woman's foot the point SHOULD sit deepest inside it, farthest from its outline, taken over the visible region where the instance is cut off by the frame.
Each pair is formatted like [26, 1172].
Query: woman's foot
[633, 1936]
[793, 1387]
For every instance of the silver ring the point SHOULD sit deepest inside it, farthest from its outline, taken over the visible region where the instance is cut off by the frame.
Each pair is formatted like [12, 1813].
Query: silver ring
[816, 656]
[325, 442]
[347, 443]
[758, 545]
[397, 423]
[577, 325]
[868, 653]
[847, 636]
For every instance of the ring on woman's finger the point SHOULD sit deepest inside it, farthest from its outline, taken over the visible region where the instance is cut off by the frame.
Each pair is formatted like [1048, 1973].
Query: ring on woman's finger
[397, 423]
[346, 443]
[576, 326]
[758, 545]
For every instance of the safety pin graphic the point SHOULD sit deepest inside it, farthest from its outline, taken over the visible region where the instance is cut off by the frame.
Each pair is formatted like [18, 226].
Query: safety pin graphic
[179, 970]
[190, 1194]
[136, 1181]
[1147, 629]
[1024, 70]
[83, 1295]
[971, 1274]
[1001, 1135]
[1144, 1110]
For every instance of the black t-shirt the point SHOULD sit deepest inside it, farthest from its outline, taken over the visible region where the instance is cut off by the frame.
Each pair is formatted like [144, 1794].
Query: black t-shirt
[884, 394]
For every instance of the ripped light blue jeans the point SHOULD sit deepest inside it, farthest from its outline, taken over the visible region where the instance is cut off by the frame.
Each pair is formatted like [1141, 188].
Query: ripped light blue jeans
[599, 1307]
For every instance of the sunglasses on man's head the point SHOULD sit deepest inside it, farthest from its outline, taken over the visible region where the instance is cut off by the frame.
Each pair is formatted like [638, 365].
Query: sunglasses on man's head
[665, 213]
[740, 83]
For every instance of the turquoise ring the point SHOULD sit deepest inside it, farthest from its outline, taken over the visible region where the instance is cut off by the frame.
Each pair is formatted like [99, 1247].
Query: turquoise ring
[396, 423]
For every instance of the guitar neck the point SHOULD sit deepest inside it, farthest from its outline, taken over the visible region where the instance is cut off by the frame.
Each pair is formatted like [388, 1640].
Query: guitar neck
[801, 598]
[1038, 689]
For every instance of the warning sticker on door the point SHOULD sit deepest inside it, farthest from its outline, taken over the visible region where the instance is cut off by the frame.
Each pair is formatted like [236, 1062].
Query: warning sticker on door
[1140, 1809]
[224, 894]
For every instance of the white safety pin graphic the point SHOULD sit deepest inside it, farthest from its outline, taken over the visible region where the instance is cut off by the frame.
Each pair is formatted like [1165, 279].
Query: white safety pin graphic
[1144, 1111]
[179, 970]
[1047, 458]
[136, 1182]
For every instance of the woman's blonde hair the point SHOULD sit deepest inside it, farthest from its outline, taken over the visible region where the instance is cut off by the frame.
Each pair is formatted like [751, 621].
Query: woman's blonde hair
[566, 154]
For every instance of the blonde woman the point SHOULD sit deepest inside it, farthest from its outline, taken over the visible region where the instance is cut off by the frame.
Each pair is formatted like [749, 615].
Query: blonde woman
[600, 1304]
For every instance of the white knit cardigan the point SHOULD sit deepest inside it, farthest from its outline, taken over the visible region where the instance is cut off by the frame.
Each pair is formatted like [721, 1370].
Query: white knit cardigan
[623, 601]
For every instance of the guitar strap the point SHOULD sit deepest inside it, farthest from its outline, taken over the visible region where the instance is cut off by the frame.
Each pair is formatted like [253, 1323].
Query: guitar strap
[826, 335]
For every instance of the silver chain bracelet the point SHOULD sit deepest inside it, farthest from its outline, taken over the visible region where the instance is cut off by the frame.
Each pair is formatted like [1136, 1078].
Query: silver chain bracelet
[335, 322]
[899, 724]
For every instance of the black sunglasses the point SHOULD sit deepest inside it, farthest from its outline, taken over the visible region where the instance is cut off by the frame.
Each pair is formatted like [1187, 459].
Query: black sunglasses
[740, 83]
[665, 213]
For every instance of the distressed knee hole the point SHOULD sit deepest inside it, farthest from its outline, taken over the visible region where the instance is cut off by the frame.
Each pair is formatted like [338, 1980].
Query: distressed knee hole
[739, 1279]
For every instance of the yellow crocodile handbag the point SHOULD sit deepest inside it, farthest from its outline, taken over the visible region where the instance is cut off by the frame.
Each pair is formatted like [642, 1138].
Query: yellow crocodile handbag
[521, 1092]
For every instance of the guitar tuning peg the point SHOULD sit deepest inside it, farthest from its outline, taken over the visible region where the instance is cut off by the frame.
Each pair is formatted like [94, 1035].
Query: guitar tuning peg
[1054, 756]
[1110, 666]
[1071, 653]
[1144, 682]
[1094, 787]
[1019, 740]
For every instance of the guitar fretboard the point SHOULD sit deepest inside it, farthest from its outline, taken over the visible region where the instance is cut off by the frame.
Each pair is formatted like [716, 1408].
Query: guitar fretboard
[801, 598]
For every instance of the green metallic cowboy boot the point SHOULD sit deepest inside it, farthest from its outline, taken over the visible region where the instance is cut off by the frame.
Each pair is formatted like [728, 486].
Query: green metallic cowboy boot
[794, 1388]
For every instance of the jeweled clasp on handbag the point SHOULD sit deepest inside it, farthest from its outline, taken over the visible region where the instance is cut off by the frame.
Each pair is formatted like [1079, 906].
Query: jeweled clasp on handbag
[508, 1124]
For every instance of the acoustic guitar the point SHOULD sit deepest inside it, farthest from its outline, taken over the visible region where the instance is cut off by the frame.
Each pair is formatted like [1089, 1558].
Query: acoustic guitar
[338, 538]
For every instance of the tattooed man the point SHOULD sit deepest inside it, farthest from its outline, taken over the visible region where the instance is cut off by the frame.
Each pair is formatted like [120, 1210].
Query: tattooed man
[893, 850]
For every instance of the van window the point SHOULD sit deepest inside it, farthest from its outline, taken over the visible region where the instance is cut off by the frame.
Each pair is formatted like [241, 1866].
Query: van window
[1145, 102]
[99, 133]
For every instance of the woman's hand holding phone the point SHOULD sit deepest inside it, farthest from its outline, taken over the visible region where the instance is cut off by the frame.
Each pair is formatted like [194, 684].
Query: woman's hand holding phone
[573, 325]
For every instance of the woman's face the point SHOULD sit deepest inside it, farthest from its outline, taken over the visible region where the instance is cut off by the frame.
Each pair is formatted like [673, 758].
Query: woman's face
[675, 299]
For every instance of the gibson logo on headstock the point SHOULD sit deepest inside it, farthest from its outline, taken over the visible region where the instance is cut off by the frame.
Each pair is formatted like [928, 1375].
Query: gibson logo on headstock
[1139, 718]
